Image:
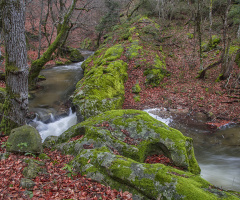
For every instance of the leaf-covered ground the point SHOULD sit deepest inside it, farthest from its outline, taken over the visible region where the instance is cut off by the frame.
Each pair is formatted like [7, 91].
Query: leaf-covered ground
[57, 183]
[220, 100]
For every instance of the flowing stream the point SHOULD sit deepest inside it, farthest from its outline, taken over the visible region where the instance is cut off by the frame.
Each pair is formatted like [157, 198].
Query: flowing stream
[217, 153]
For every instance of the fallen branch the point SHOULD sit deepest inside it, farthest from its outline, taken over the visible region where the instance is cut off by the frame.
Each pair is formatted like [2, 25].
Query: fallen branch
[203, 72]
[230, 102]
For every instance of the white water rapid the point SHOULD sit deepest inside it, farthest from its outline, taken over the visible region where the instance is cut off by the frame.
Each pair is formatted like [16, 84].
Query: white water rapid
[55, 127]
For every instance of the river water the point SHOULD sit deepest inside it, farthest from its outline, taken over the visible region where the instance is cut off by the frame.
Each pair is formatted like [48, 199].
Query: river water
[218, 153]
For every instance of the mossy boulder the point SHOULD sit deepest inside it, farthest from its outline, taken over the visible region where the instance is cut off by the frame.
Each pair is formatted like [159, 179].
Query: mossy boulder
[27, 183]
[115, 146]
[102, 87]
[76, 56]
[136, 88]
[32, 170]
[25, 139]
[212, 43]
[155, 73]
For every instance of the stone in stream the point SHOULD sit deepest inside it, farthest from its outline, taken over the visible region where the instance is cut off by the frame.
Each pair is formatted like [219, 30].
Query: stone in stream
[115, 145]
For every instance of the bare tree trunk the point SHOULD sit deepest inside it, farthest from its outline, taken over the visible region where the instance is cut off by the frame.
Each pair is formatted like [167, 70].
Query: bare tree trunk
[210, 20]
[225, 65]
[238, 33]
[40, 31]
[16, 103]
[199, 34]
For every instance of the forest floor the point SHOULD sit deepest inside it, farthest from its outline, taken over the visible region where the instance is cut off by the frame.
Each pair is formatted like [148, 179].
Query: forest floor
[219, 100]
[181, 90]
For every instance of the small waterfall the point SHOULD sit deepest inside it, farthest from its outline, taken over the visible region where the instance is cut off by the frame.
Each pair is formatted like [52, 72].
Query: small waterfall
[55, 128]
[153, 110]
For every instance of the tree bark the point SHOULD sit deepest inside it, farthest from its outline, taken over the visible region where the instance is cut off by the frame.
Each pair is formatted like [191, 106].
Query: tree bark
[198, 18]
[38, 64]
[225, 71]
[16, 103]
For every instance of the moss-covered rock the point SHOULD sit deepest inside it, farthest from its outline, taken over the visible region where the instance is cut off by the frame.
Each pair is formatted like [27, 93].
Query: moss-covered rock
[32, 170]
[27, 183]
[24, 139]
[76, 56]
[133, 50]
[136, 88]
[155, 74]
[114, 148]
[102, 87]
[212, 43]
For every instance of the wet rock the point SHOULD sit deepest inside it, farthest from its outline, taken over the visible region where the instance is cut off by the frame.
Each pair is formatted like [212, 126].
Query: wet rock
[25, 139]
[76, 56]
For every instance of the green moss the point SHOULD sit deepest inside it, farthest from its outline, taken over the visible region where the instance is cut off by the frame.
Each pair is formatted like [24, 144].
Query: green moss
[114, 52]
[102, 87]
[59, 62]
[136, 88]
[75, 55]
[190, 35]
[136, 98]
[212, 43]
[86, 43]
[233, 49]
[120, 165]
[133, 50]
[26, 135]
[155, 74]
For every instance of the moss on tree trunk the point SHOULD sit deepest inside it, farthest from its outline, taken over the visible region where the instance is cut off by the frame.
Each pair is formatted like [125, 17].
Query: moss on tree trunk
[38, 64]
[15, 106]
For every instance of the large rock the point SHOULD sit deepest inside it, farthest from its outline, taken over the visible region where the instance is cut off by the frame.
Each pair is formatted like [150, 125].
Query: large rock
[76, 56]
[115, 146]
[102, 87]
[24, 139]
